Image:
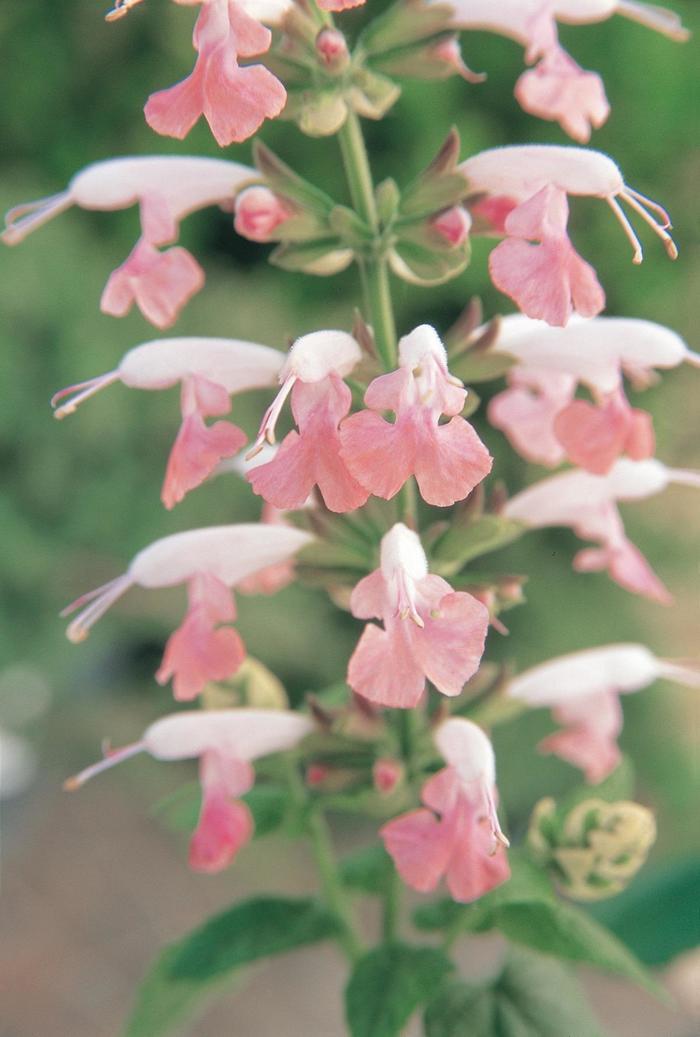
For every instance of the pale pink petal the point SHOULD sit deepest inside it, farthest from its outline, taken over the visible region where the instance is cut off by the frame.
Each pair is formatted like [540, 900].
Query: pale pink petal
[205, 397]
[339, 5]
[641, 441]
[588, 741]
[490, 212]
[196, 452]
[174, 111]
[628, 567]
[474, 868]
[369, 597]
[527, 419]
[593, 437]
[160, 283]
[223, 828]
[382, 668]
[238, 100]
[560, 90]
[378, 454]
[449, 647]
[450, 460]
[418, 847]
[159, 225]
[388, 391]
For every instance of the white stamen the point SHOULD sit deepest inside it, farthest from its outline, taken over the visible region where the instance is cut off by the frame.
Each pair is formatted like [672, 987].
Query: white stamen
[100, 600]
[660, 230]
[266, 432]
[683, 476]
[684, 673]
[111, 758]
[83, 390]
[23, 219]
[628, 229]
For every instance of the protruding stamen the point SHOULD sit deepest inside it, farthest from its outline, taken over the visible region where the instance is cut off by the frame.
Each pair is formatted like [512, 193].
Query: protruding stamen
[632, 199]
[23, 219]
[684, 672]
[658, 18]
[496, 831]
[650, 204]
[111, 758]
[266, 432]
[100, 600]
[628, 229]
[692, 358]
[406, 604]
[120, 9]
[83, 390]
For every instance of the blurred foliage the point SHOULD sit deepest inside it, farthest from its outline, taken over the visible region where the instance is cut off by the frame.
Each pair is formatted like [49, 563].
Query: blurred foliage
[82, 498]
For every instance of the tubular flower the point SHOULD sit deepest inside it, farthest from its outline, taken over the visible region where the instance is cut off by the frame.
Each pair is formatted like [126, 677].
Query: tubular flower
[464, 842]
[448, 460]
[537, 265]
[224, 741]
[313, 373]
[587, 504]
[557, 88]
[166, 191]
[209, 371]
[430, 631]
[259, 211]
[583, 689]
[235, 100]
[538, 412]
[209, 561]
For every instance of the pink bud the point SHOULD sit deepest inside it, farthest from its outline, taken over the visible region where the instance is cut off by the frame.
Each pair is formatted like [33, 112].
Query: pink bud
[258, 212]
[332, 48]
[387, 774]
[453, 225]
[316, 774]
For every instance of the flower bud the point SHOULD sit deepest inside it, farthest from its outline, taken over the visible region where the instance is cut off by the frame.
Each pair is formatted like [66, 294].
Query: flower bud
[387, 774]
[595, 848]
[332, 49]
[453, 225]
[258, 212]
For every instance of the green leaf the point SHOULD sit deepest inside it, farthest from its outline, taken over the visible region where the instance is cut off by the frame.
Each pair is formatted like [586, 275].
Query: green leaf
[422, 266]
[244, 934]
[477, 366]
[404, 23]
[389, 984]
[655, 916]
[281, 178]
[348, 226]
[369, 869]
[533, 997]
[323, 258]
[463, 542]
[565, 931]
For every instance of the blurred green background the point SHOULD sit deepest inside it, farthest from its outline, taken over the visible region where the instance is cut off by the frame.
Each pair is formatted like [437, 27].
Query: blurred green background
[81, 498]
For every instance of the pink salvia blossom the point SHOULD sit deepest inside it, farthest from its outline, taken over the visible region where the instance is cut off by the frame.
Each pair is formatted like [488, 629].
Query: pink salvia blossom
[538, 411]
[464, 842]
[313, 373]
[557, 88]
[209, 370]
[225, 741]
[448, 460]
[166, 189]
[209, 562]
[587, 504]
[536, 265]
[339, 5]
[234, 99]
[430, 631]
[583, 689]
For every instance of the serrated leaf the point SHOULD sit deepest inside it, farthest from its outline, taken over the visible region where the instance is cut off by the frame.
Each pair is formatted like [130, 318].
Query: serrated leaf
[369, 869]
[462, 543]
[389, 984]
[533, 997]
[246, 933]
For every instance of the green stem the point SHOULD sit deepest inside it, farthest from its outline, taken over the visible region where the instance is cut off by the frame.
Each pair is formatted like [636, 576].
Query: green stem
[408, 503]
[392, 904]
[319, 832]
[374, 271]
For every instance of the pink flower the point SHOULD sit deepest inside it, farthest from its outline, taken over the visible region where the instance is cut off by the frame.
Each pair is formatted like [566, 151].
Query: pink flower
[587, 503]
[160, 283]
[166, 190]
[209, 371]
[430, 631]
[313, 372]
[558, 89]
[464, 842]
[583, 690]
[536, 265]
[208, 561]
[259, 211]
[538, 411]
[224, 741]
[453, 225]
[339, 5]
[235, 100]
[448, 460]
